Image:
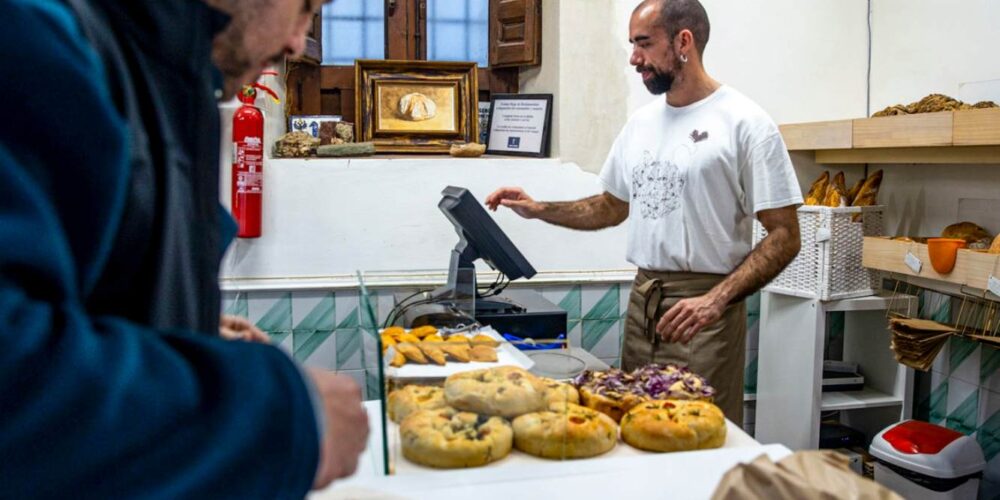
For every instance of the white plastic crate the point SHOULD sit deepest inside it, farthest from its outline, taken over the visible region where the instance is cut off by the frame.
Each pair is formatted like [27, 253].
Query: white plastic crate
[828, 266]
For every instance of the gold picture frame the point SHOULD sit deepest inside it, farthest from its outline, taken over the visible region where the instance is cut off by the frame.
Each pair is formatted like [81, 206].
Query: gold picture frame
[416, 106]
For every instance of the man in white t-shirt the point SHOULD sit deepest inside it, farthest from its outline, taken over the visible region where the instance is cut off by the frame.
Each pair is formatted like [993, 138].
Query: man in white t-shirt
[690, 172]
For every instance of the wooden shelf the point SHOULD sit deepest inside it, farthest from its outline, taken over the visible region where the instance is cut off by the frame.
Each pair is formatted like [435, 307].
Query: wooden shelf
[853, 400]
[972, 269]
[971, 136]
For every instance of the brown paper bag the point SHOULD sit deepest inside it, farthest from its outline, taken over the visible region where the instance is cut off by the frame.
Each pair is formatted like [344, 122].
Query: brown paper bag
[806, 475]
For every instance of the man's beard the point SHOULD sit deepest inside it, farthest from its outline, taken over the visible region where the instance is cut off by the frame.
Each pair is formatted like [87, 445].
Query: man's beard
[660, 83]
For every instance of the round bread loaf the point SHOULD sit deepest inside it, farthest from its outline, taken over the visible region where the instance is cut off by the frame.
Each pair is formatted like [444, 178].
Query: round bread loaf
[452, 439]
[968, 231]
[611, 403]
[674, 425]
[564, 431]
[559, 392]
[504, 391]
[402, 402]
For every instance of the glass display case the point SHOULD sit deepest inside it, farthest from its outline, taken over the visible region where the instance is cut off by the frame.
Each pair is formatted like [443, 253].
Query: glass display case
[460, 394]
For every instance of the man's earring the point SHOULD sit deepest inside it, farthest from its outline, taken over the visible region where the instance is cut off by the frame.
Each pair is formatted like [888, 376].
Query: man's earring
[684, 58]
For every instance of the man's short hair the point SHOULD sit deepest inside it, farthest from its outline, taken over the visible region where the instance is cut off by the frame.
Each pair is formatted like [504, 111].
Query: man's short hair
[677, 15]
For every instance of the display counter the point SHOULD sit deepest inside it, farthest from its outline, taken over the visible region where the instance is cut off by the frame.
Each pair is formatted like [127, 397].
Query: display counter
[614, 475]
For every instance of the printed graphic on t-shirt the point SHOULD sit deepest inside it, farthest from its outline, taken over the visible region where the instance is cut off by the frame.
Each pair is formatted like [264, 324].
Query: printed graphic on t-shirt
[697, 137]
[659, 184]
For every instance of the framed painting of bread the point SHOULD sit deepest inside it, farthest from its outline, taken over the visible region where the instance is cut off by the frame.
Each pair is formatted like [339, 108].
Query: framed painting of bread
[416, 106]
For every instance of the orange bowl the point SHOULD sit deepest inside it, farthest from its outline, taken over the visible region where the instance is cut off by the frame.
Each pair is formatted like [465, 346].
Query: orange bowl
[943, 252]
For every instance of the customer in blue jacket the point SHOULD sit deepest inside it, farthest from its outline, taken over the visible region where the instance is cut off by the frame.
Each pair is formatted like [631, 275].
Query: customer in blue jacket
[110, 241]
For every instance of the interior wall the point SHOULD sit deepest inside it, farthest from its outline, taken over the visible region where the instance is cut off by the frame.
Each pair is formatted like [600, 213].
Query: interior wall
[932, 46]
[937, 47]
[332, 218]
[582, 68]
[810, 69]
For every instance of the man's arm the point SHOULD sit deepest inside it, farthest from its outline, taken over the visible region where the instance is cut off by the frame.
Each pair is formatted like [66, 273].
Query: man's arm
[589, 214]
[765, 262]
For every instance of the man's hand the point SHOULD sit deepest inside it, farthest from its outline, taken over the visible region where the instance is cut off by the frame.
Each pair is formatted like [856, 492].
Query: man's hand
[515, 199]
[239, 328]
[688, 317]
[346, 426]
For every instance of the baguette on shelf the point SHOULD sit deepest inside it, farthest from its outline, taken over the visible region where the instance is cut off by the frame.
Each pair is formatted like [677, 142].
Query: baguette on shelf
[833, 192]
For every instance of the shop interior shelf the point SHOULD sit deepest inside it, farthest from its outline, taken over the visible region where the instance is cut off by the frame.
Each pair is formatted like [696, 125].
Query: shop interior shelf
[865, 398]
[972, 269]
[950, 137]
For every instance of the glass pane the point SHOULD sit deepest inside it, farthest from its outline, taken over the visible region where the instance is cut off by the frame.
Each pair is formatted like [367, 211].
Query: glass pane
[353, 29]
[457, 30]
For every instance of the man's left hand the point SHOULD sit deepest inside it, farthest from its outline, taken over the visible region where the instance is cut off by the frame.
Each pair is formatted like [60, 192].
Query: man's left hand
[688, 317]
[239, 328]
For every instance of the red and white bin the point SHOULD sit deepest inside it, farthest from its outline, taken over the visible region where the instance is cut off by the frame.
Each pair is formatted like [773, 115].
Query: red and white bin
[926, 461]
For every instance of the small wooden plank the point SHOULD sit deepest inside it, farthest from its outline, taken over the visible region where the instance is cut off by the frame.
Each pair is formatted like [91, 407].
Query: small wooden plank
[921, 130]
[972, 269]
[977, 127]
[818, 135]
[975, 155]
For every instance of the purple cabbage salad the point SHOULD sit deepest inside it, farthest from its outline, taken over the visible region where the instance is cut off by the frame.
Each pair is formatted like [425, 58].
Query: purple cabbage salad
[653, 380]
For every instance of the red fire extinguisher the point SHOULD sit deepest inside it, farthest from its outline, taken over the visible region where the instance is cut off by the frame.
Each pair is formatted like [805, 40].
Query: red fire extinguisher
[248, 162]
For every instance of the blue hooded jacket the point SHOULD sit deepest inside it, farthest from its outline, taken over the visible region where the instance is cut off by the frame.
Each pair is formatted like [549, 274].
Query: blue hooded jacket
[96, 402]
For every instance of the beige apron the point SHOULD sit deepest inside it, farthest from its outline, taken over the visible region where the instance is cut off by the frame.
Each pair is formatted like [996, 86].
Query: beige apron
[716, 353]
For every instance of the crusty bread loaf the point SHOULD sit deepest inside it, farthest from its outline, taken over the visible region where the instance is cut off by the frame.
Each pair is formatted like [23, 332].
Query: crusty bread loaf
[968, 231]
[852, 194]
[818, 190]
[674, 425]
[447, 438]
[564, 431]
[836, 192]
[505, 391]
[402, 402]
[868, 195]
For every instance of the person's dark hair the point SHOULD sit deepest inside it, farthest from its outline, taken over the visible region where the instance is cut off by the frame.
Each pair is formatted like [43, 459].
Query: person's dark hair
[677, 15]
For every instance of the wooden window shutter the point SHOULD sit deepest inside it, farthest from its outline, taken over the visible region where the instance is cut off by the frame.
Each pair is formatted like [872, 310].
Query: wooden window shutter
[515, 33]
[302, 92]
[314, 41]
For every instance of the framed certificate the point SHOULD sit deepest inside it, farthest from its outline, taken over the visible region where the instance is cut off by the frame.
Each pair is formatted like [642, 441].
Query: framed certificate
[519, 125]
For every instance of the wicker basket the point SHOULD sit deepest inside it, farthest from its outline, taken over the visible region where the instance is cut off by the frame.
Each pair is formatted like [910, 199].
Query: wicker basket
[828, 266]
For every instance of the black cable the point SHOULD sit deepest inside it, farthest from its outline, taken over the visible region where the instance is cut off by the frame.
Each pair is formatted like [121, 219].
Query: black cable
[391, 317]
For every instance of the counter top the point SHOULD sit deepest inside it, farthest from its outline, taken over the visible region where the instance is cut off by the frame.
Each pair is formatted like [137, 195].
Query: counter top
[682, 475]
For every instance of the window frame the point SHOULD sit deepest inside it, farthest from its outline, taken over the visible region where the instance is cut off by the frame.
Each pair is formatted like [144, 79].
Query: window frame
[315, 89]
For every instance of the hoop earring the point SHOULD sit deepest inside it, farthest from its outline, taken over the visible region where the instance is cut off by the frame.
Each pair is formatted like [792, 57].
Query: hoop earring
[684, 58]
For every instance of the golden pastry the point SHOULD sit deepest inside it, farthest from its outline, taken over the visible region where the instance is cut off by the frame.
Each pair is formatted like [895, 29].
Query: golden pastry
[394, 331]
[459, 352]
[412, 353]
[482, 339]
[397, 359]
[409, 337]
[433, 352]
[423, 331]
[483, 353]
